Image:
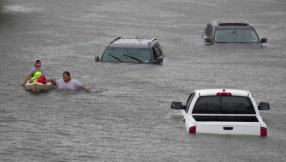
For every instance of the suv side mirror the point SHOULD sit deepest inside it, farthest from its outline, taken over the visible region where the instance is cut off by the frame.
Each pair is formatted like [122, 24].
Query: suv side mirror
[263, 40]
[96, 58]
[263, 106]
[177, 105]
[208, 40]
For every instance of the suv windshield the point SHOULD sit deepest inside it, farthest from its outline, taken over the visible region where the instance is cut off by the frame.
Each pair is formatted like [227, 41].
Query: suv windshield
[235, 36]
[223, 105]
[130, 55]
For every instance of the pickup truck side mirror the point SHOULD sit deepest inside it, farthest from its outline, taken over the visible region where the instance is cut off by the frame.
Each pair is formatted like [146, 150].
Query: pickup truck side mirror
[208, 40]
[96, 58]
[263, 106]
[263, 40]
[177, 106]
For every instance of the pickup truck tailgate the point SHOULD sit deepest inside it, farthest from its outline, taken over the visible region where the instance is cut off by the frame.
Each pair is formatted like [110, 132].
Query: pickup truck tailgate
[225, 125]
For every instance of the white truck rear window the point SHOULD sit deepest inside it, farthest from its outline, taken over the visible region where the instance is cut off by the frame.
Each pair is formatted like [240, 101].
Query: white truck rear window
[223, 105]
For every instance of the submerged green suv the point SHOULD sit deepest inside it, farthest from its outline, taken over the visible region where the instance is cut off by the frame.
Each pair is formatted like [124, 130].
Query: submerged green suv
[127, 50]
[239, 33]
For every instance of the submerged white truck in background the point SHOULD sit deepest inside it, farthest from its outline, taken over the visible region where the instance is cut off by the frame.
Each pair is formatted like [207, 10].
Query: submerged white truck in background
[223, 111]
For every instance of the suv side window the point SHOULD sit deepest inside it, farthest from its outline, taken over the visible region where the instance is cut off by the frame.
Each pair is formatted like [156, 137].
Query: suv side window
[209, 30]
[211, 33]
[156, 51]
[160, 48]
[189, 101]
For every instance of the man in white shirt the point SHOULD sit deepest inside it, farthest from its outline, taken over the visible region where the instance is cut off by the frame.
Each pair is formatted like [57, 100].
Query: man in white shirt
[68, 83]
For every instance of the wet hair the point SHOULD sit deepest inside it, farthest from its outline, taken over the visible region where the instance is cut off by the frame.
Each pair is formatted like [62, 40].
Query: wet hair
[38, 61]
[68, 73]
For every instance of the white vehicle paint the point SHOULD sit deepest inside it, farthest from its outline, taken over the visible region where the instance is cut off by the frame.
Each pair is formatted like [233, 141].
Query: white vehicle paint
[223, 111]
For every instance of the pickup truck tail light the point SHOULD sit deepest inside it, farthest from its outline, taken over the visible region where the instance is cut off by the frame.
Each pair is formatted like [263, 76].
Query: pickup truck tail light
[192, 129]
[263, 132]
[223, 94]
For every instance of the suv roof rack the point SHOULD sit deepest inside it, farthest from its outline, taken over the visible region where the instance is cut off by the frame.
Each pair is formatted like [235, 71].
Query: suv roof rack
[153, 39]
[233, 24]
[240, 22]
[115, 39]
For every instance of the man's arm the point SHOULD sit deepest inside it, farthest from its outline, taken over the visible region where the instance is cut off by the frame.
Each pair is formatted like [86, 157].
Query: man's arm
[52, 81]
[85, 88]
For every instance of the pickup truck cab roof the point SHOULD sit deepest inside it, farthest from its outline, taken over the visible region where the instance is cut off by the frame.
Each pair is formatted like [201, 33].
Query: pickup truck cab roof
[214, 92]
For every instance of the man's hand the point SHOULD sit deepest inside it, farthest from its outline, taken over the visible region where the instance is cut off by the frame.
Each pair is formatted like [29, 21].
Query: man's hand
[85, 88]
[52, 81]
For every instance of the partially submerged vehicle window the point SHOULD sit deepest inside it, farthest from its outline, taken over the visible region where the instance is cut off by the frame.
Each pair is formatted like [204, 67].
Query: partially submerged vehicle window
[223, 105]
[236, 36]
[129, 55]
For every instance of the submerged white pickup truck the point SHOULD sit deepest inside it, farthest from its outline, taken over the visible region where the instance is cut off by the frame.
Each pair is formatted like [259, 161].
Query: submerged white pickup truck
[223, 111]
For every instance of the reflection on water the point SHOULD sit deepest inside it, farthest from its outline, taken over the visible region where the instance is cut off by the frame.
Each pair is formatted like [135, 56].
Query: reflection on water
[14, 8]
[8, 7]
[4, 16]
[9, 11]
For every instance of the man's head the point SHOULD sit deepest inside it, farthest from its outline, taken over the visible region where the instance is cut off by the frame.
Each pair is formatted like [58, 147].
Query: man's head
[38, 64]
[66, 76]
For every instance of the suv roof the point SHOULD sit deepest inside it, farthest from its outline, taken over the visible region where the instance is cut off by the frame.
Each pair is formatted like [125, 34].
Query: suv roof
[131, 42]
[213, 92]
[231, 23]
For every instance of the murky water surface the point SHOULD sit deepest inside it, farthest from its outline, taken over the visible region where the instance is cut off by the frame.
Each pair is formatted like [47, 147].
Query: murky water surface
[127, 115]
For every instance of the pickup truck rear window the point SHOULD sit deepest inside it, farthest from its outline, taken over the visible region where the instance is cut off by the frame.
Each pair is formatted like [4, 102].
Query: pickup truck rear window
[223, 105]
